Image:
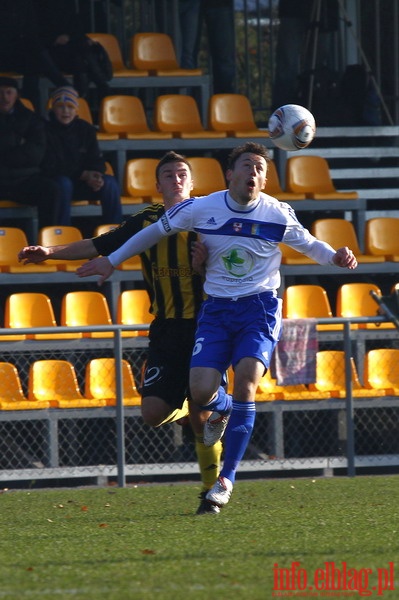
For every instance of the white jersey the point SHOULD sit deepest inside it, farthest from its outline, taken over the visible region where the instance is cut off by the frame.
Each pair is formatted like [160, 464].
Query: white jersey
[242, 240]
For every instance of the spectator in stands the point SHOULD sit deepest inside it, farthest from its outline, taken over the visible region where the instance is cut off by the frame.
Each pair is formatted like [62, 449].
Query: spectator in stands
[21, 50]
[22, 149]
[176, 294]
[75, 162]
[67, 45]
[218, 16]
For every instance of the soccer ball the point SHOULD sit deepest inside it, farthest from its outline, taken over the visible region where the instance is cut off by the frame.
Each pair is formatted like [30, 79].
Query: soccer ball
[292, 127]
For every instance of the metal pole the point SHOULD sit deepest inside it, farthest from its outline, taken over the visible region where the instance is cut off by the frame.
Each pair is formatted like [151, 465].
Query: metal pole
[350, 433]
[120, 423]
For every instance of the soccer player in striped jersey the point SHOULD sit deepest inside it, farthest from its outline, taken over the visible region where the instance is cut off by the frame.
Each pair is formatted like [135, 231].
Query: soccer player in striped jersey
[176, 294]
[240, 321]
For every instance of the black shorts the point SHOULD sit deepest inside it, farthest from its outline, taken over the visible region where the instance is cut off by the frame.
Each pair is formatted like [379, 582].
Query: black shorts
[166, 372]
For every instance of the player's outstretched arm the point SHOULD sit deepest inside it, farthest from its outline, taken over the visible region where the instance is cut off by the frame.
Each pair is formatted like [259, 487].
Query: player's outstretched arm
[345, 258]
[74, 251]
[104, 266]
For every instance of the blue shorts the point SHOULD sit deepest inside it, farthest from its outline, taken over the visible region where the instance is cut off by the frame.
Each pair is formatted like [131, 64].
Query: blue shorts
[229, 330]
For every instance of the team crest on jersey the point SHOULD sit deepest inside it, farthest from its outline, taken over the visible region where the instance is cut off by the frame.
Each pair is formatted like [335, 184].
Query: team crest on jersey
[237, 227]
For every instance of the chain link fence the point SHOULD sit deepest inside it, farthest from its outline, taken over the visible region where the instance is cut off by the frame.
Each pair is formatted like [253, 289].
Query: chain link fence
[322, 426]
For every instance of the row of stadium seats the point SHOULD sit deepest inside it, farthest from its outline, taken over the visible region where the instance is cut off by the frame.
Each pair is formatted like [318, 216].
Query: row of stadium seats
[54, 383]
[381, 240]
[381, 378]
[352, 300]
[78, 309]
[381, 244]
[85, 308]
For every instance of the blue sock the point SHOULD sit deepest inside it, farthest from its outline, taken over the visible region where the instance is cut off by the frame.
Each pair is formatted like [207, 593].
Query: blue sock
[237, 436]
[221, 404]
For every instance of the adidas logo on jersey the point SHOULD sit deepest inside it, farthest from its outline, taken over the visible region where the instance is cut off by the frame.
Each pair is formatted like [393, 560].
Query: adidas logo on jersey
[211, 221]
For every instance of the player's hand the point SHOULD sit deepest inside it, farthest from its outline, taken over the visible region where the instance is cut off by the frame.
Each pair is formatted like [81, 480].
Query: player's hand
[344, 257]
[97, 266]
[199, 255]
[33, 254]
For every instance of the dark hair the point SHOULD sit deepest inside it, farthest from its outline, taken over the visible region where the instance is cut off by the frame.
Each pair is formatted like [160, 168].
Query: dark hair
[171, 157]
[248, 147]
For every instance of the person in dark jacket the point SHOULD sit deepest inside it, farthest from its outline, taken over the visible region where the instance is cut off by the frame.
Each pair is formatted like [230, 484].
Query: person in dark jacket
[69, 48]
[20, 44]
[22, 149]
[75, 162]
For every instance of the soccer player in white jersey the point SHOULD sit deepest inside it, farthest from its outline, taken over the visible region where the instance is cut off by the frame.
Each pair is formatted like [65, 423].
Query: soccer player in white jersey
[240, 322]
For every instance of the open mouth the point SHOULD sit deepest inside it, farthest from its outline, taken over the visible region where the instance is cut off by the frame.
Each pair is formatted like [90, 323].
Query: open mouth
[251, 184]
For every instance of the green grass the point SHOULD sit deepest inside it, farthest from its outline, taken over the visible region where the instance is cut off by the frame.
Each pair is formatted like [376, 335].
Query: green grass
[146, 542]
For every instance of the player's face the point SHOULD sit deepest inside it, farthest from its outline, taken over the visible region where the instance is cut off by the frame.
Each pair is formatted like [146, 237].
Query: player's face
[8, 97]
[247, 178]
[174, 182]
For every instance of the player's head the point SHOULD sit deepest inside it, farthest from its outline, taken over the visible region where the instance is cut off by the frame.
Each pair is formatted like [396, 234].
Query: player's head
[247, 148]
[246, 171]
[173, 178]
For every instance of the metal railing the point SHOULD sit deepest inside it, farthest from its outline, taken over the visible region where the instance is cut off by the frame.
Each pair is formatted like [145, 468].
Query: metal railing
[114, 442]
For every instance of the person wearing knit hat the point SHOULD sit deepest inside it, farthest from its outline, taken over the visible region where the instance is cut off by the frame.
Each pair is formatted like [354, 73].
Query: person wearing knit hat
[65, 95]
[8, 82]
[74, 160]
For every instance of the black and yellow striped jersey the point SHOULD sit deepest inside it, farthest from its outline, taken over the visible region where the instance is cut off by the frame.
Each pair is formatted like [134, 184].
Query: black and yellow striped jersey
[174, 288]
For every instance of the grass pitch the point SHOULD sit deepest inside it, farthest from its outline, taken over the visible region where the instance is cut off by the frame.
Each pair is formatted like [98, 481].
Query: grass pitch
[145, 541]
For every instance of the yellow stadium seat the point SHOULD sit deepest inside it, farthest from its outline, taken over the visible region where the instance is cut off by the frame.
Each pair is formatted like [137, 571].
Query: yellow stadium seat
[207, 175]
[12, 240]
[310, 175]
[27, 310]
[308, 302]
[11, 393]
[268, 390]
[140, 180]
[55, 381]
[111, 44]
[133, 309]
[381, 370]
[178, 114]
[56, 235]
[382, 237]
[85, 308]
[100, 382]
[125, 116]
[339, 233]
[233, 115]
[330, 376]
[273, 185]
[354, 300]
[156, 53]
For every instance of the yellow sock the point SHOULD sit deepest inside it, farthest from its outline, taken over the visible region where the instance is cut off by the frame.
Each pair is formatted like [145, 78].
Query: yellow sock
[178, 413]
[209, 461]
